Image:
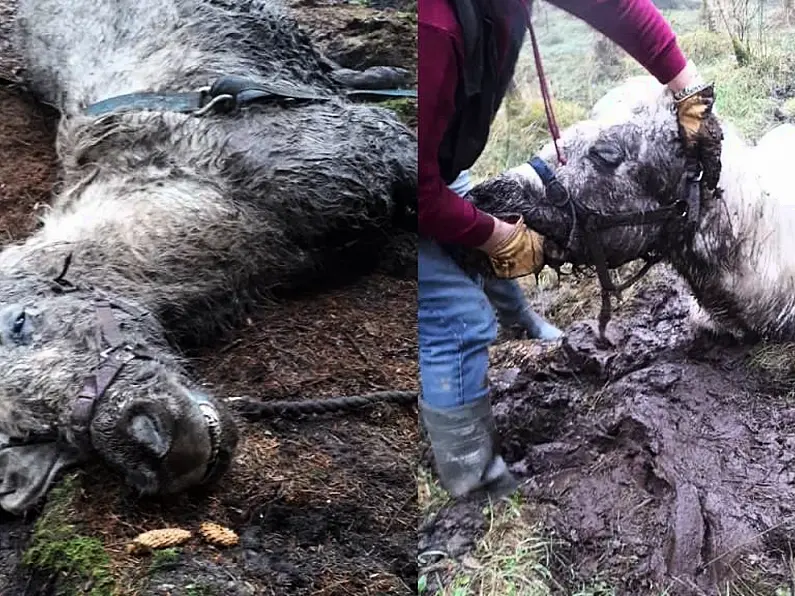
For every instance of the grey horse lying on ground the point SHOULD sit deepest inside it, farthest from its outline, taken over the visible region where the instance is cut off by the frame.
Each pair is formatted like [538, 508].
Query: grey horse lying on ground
[738, 252]
[169, 225]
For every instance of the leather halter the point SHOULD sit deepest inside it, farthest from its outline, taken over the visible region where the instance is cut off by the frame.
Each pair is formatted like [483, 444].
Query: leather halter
[228, 93]
[112, 359]
[685, 211]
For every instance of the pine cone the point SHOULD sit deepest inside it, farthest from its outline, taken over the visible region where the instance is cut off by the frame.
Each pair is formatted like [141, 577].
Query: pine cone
[154, 539]
[218, 535]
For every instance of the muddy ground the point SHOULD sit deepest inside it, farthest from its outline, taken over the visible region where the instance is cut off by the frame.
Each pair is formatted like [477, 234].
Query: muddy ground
[322, 505]
[663, 461]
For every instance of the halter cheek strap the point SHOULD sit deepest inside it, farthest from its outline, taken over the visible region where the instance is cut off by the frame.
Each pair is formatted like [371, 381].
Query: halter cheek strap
[111, 361]
[591, 223]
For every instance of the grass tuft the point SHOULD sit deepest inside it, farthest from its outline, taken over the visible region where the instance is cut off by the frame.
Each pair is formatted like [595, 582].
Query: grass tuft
[510, 560]
[519, 130]
[776, 361]
[404, 108]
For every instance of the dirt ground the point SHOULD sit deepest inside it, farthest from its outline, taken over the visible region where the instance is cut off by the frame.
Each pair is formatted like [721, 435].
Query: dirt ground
[358, 36]
[664, 461]
[322, 505]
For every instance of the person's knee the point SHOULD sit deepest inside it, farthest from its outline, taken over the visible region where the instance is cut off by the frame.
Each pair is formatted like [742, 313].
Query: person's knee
[456, 326]
[454, 354]
[459, 323]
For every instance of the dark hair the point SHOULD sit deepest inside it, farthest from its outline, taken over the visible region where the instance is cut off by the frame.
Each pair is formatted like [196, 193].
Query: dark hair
[493, 32]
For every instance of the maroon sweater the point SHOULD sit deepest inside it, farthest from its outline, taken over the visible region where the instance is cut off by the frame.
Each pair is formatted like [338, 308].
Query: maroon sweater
[635, 25]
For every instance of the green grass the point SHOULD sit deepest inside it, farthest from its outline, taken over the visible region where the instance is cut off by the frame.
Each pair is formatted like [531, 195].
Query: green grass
[58, 547]
[404, 108]
[510, 559]
[519, 129]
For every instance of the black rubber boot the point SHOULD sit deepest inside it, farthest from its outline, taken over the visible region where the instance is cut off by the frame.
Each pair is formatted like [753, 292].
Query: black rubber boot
[465, 443]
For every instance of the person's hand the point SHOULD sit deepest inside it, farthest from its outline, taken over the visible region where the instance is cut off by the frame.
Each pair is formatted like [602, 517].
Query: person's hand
[698, 126]
[513, 249]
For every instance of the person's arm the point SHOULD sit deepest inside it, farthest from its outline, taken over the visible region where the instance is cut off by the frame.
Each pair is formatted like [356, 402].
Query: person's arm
[443, 215]
[640, 29]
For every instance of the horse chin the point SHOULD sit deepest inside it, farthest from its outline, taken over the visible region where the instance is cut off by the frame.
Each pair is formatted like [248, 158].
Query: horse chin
[558, 252]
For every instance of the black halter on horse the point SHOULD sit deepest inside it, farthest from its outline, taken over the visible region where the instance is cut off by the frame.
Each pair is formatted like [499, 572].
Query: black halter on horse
[111, 360]
[590, 223]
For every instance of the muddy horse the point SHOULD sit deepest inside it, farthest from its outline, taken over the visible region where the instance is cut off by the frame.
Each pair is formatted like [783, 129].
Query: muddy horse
[660, 458]
[733, 246]
[210, 158]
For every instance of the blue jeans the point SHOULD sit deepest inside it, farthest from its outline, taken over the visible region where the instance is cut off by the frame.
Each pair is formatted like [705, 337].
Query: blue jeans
[456, 326]
[457, 323]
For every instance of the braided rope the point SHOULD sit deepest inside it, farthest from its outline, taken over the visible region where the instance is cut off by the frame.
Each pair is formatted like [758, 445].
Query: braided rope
[252, 409]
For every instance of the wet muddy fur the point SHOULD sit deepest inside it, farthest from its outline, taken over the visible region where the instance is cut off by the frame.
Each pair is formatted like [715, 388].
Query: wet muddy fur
[628, 158]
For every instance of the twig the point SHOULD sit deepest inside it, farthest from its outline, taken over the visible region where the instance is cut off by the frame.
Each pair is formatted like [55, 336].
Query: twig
[358, 349]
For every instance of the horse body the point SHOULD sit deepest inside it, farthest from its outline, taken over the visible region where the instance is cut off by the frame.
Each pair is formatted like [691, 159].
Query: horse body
[173, 225]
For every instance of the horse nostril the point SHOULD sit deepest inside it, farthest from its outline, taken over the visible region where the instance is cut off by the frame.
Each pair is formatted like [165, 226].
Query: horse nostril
[143, 481]
[553, 252]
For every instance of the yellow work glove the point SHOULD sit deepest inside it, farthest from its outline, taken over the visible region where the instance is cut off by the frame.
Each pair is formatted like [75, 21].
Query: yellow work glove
[700, 131]
[520, 254]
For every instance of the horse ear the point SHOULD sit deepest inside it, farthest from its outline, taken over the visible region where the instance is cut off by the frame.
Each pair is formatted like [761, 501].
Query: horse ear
[151, 426]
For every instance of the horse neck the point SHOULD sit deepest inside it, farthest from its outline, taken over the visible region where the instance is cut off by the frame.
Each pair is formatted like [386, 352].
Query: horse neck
[738, 262]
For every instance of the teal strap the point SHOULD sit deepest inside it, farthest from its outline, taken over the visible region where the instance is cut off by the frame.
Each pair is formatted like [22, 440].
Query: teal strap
[171, 102]
[384, 92]
[226, 93]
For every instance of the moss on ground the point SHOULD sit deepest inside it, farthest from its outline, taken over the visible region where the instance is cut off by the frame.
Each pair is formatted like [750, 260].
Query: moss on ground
[406, 109]
[58, 548]
[164, 559]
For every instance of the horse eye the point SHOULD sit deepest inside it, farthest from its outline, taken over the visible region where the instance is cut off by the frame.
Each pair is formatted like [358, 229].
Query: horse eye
[19, 323]
[606, 154]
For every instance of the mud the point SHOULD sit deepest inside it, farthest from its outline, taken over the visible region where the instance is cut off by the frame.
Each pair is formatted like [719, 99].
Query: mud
[662, 461]
[356, 35]
[323, 505]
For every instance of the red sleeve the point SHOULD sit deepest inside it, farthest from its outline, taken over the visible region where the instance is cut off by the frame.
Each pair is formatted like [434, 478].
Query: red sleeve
[443, 215]
[638, 27]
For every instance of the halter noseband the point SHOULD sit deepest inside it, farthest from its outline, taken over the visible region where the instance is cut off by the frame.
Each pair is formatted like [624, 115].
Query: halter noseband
[112, 359]
[685, 210]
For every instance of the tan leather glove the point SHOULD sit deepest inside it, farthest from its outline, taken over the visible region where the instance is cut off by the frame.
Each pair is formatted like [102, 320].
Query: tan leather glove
[700, 130]
[520, 254]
